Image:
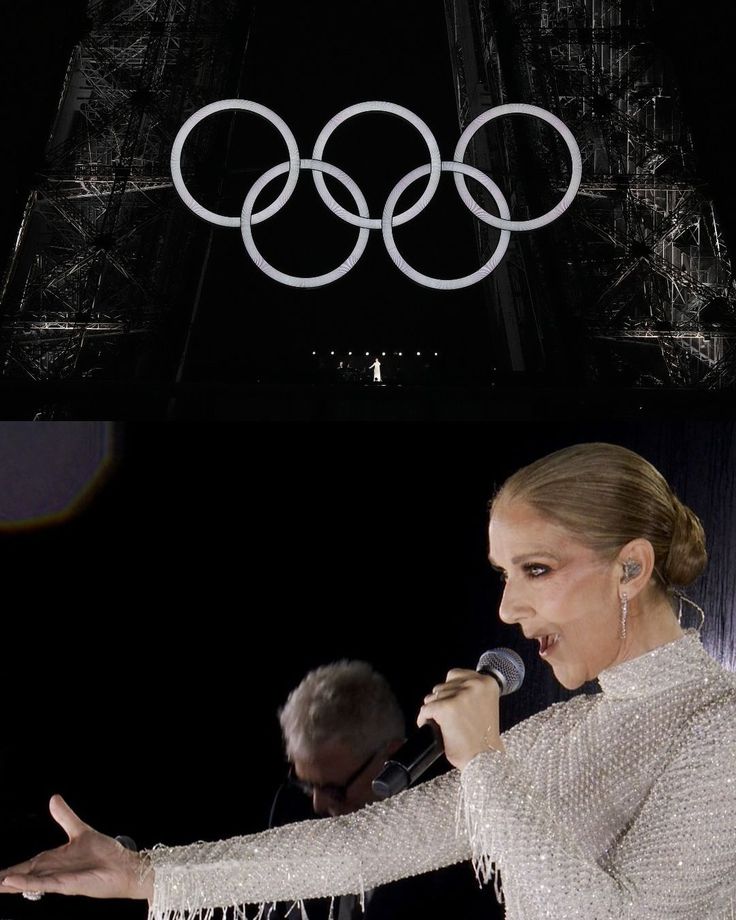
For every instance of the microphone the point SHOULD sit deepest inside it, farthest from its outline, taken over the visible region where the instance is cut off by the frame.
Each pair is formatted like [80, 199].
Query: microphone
[424, 747]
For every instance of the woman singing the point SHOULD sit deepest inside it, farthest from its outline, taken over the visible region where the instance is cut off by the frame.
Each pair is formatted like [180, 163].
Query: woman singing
[611, 806]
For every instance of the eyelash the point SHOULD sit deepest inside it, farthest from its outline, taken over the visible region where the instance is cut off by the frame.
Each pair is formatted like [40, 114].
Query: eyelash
[531, 569]
[535, 569]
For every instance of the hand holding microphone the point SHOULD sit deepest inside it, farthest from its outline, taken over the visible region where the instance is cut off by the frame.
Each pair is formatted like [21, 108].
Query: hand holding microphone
[460, 716]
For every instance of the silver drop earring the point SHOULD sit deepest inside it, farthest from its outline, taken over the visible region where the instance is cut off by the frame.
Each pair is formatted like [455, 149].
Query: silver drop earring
[624, 613]
[631, 570]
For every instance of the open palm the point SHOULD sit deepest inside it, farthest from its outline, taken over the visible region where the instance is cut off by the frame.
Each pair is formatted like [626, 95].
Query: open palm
[91, 864]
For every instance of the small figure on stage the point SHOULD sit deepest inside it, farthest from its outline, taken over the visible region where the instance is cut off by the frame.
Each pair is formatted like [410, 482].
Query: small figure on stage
[376, 368]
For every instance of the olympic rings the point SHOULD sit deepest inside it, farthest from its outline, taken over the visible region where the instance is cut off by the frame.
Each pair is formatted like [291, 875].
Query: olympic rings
[389, 219]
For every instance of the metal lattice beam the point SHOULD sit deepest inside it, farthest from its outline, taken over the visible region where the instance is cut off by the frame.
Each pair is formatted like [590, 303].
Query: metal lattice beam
[93, 258]
[642, 247]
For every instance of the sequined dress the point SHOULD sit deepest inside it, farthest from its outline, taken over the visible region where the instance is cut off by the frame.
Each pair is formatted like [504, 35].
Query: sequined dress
[615, 806]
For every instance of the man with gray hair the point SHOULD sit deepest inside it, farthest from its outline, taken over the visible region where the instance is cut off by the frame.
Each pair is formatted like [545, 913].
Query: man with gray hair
[339, 726]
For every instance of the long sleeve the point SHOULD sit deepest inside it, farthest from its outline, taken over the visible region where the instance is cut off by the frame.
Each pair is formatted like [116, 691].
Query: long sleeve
[413, 833]
[674, 858]
[617, 806]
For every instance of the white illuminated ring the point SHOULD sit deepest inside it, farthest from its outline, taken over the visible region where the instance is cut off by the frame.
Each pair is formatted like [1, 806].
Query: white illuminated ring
[223, 106]
[392, 109]
[450, 284]
[567, 136]
[293, 280]
[363, 220]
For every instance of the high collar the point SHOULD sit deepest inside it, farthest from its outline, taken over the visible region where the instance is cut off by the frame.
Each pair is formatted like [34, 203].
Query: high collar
[679, 662]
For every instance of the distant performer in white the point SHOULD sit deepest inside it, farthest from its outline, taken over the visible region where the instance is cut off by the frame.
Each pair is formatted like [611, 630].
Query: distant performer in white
[376, 368]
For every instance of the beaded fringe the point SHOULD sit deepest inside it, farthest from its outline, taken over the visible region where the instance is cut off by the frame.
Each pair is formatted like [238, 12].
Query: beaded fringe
[467, 821]
[260, 911]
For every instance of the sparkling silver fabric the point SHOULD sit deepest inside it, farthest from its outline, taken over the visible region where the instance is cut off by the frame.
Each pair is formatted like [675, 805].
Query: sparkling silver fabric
[618, 805]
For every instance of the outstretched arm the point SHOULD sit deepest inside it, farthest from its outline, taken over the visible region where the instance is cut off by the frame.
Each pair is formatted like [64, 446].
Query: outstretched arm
[412, 833]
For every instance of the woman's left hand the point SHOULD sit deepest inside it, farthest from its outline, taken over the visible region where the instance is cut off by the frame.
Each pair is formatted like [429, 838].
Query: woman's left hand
[466, 709]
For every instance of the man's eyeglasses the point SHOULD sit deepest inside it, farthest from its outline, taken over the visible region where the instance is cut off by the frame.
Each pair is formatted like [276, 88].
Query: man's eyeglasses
[334, 791]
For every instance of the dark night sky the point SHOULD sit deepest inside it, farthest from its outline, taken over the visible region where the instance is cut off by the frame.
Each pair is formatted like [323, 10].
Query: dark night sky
[35, 39]
[307, 62]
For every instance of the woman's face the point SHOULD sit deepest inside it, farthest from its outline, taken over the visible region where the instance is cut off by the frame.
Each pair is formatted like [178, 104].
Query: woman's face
[561, 593]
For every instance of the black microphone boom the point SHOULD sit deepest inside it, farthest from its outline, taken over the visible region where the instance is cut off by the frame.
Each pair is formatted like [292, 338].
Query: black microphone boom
[424, 747]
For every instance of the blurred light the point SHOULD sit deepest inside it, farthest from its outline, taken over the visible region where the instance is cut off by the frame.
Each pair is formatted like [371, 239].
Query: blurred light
[399, 354]
[350, 353]
[435, 354]
[314, 352]
[383, 354]
[50, 472]
[332, 352]
[418, 353]
[366, 354]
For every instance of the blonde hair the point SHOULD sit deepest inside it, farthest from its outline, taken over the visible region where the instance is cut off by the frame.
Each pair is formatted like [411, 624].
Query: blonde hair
[607, 496]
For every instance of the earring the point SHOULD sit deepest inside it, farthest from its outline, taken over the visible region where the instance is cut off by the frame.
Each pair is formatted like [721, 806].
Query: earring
[631, 569]
[624, 614]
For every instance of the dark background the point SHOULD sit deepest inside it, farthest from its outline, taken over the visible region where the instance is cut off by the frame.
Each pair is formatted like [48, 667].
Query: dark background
[150, 640]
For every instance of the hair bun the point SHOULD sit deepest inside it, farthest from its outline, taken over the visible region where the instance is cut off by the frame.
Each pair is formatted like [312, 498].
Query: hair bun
[687, 556]
[607, 495]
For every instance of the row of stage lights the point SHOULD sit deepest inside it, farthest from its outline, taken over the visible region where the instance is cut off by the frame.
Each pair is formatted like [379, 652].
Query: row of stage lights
[400, 354]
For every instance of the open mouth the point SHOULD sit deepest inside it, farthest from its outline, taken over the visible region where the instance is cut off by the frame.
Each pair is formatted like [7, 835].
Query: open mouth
[547, 643]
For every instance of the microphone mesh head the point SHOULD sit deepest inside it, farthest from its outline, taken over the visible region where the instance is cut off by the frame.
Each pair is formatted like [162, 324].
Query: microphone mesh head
[505, 665]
